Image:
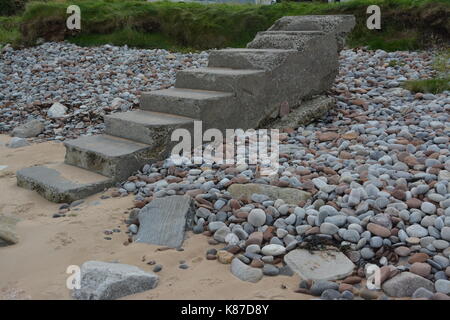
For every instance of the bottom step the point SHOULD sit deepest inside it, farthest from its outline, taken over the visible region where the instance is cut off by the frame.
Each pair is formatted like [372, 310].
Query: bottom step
[62, 182]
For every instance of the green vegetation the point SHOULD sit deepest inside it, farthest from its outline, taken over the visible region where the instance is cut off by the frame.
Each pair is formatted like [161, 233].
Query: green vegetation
[428, 85]
[9, 30]
[406, 24]
[10, 7]
[438, 84]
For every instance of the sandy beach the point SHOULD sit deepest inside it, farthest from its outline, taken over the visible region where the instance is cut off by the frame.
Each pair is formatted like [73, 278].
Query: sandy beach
[35, 268]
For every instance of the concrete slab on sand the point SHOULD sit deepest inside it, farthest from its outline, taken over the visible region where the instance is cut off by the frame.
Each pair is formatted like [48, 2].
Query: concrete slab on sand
[165, 220]
[61, 182]
[319, 265]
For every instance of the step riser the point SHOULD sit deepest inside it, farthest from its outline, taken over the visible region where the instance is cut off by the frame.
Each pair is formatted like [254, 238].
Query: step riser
[154, 136]
[247, 59]
[53, 186]
[57, 196]
[118, 168]
[250, 83]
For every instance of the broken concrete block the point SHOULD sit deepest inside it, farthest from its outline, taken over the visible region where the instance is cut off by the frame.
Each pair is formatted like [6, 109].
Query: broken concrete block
[109, 281]
[319, 265]
[165, 220]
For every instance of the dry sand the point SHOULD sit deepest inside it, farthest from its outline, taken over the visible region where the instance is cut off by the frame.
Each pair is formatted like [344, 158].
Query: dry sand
[35, 268]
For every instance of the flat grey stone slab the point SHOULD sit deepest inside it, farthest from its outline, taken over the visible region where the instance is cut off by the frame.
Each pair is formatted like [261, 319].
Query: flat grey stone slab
[164, 221]
[289, 195]
[319, 265]
[62, 182]
[109, 281]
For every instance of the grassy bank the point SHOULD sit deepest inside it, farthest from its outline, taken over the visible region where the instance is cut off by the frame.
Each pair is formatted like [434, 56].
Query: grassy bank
[406, 24]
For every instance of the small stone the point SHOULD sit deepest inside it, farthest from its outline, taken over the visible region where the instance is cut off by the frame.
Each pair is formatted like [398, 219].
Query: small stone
[330, 294]
[367, 294]
[157, 268]
[16, 142]
[328, 228]
[318, 287]
[417, 230]
[245, 272]
[402, 251]
[225, 257]
[418, 257]
[270, 270]
[442, 286]
[273, 250]
[257, 217]
[421, 269]
[379, 230]
[57, 110]
[422, 293]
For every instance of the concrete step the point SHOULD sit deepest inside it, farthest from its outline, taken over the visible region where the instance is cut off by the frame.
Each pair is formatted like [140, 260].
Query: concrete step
[197, 104]
[152, 128]
[288, 40]
[248, 58]
[220, 79]
[110, 156]
[61, 182]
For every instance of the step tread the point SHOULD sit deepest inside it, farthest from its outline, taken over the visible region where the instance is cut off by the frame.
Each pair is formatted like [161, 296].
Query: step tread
[293, 32]
[254, 50]
[193, 94]
[223, 71]
[150, 118]
[61, 182]
[107, 145]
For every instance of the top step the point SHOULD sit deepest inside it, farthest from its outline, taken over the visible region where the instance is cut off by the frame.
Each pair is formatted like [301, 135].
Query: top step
[295, 40]
[232, 80]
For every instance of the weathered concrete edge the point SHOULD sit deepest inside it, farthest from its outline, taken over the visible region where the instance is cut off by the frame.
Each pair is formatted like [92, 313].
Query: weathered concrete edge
[58, 192]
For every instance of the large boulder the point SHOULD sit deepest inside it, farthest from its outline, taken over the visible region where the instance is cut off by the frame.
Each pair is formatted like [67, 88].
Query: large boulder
[405, 284]
[109, 281]
[28, 130]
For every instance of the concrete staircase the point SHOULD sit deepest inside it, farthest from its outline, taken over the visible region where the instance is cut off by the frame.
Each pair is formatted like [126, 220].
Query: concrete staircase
[241, 88]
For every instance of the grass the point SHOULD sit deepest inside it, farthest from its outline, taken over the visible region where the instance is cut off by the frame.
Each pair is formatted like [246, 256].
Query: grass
[9, 30]
[406, 24]
[438, 84]
[435, 85]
